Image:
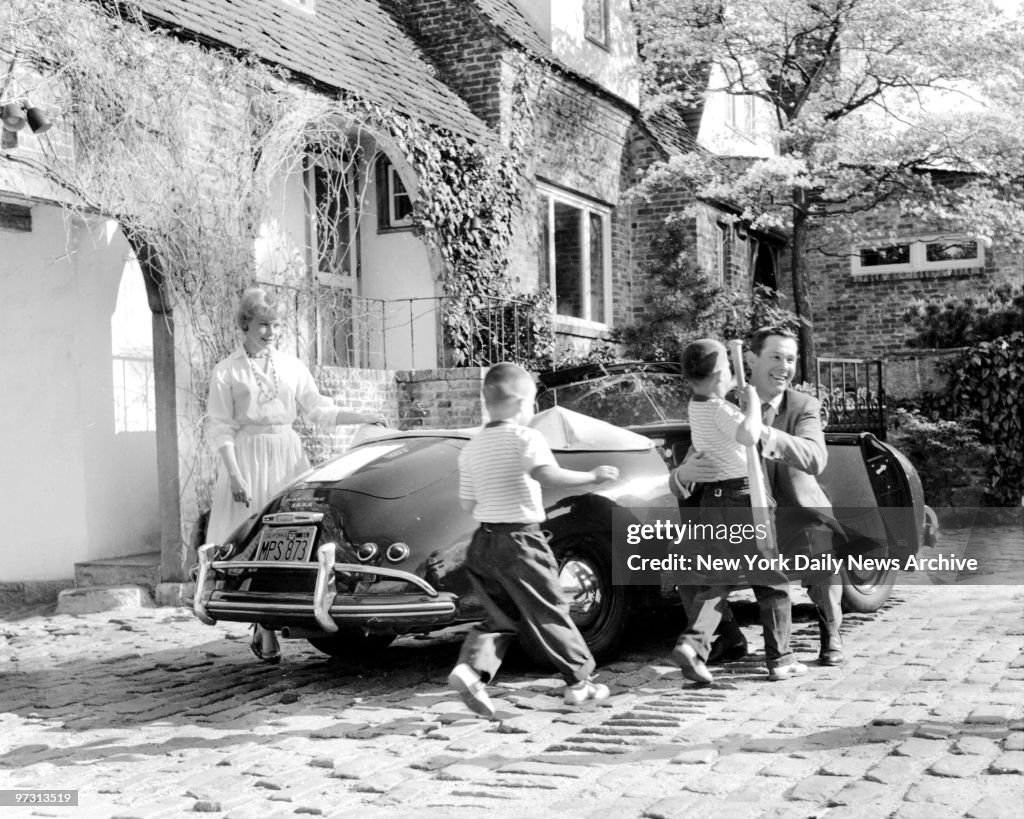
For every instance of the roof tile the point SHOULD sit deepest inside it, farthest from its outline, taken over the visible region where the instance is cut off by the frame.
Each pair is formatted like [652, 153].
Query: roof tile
[350, 45]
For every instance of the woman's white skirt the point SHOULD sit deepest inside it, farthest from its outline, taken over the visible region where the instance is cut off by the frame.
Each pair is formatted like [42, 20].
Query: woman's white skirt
[269, 461]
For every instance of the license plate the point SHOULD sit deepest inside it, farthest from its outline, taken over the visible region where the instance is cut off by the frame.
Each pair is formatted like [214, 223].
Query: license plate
[285, 543]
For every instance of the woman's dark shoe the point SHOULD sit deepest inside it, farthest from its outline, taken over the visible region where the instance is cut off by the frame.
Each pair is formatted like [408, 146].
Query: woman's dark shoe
[256, 647]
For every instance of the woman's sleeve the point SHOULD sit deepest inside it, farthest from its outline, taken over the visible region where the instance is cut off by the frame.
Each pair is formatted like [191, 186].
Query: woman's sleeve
[316, 409]
[221, 425]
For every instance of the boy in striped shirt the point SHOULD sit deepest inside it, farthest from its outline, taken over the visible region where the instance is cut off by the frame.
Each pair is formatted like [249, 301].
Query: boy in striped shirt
[509, 561]
[721, 431]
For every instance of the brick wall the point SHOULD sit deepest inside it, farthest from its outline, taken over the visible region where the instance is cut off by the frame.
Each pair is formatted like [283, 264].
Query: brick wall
[410, 399]
[580, 134]
[356, 390]
[461, 44]
[439, 399]
[860, 316]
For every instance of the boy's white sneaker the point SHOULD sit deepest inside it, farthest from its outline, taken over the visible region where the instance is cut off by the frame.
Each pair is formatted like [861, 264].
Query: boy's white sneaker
[586, 691]
[471, 689]
[785, 672]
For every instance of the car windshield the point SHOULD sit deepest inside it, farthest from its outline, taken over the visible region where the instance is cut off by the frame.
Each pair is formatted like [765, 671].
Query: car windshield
[624, 398]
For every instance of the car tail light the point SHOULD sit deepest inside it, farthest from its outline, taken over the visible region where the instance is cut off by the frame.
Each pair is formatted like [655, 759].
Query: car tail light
[367, 551]
[397, 552]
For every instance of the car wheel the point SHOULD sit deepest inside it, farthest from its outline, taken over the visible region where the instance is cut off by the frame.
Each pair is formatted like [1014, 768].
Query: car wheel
[351, 643]
[599, 609]
[866, 591]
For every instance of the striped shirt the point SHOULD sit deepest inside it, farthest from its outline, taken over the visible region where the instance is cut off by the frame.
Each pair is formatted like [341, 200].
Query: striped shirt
[494, 472]
[713, 425]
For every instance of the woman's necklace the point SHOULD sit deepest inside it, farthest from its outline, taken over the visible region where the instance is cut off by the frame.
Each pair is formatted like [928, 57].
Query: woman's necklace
[266, 378]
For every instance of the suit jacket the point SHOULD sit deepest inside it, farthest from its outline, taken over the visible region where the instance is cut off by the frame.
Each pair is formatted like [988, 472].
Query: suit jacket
[803, 517]
[800, 453]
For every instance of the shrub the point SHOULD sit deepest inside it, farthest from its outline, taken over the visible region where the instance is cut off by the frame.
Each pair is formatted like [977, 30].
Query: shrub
[948, 454]
[959, 322]
[985, 383]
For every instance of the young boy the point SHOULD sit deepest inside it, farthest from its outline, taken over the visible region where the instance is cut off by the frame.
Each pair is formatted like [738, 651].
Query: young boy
[509, 561]
[722, 432]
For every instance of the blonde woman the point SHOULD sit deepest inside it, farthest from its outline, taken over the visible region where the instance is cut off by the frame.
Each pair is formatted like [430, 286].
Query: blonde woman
[256, 393]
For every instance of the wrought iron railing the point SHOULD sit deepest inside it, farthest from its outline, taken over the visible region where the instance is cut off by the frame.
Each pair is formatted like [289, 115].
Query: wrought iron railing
[422, 333]
[852, 393]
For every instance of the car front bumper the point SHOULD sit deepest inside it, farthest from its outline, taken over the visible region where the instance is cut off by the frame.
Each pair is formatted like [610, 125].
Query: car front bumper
[325, 610]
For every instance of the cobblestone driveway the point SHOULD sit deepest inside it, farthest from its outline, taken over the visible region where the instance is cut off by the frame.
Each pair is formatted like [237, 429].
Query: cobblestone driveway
[148, 713]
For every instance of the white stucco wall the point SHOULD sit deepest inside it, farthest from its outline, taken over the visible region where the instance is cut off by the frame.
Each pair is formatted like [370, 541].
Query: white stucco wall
[72, 488]
[615, 67]
[396, 269]
[395, 273]
[733, 125]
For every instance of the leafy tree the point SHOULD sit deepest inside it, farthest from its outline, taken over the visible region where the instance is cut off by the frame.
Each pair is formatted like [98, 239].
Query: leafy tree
[913, 103]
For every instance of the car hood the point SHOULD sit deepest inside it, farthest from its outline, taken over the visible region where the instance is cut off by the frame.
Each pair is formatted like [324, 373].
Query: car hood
[392, 466]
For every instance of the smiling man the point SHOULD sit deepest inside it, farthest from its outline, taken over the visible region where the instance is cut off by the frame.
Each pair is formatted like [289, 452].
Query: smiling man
[795, 454]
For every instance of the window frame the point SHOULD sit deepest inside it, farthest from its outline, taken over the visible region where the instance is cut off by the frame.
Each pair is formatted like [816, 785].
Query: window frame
[388, 178]
[917, 261]
[326, 347]
[603, 38]
[588, 208]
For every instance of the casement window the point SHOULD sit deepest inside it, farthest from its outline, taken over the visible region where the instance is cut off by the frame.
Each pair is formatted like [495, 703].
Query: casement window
[334, 228]
[595, 21]
[918, 254]
[394, 205]
[575, 255]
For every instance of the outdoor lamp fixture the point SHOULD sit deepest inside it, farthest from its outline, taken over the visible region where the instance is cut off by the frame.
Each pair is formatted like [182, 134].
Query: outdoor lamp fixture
[13, 117]
[37, 120]
[17, 114]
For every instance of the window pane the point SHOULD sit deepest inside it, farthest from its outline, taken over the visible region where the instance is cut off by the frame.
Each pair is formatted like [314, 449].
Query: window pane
[950, 251]
[877, 256]
[401, 203]
[333, 238]
[568, 260]
[595, 25]
[597, 294]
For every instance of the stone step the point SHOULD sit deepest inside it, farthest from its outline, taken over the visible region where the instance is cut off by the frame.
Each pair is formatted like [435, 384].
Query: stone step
[138, 570]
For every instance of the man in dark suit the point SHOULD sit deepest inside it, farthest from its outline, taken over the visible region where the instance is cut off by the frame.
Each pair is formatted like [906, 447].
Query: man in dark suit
[793, 448]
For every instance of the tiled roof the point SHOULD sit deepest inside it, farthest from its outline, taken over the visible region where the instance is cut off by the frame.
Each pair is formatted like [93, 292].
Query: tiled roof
[350, 45]
[672, 130]
[506, 16]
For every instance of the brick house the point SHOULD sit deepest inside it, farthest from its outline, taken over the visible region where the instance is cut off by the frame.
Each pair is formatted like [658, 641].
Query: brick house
[861, 292]
[123, 439]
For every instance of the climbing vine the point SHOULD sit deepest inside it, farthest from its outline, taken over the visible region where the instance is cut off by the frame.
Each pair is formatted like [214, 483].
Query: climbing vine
[186, 148]
[470, 195]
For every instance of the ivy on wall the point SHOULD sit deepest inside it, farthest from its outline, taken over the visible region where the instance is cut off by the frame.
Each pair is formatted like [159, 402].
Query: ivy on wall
[181, 143]
[470, 197]
[985, 384]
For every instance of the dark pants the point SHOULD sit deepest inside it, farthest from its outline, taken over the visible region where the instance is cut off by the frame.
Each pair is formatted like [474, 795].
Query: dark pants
[515, 576]
[704, 604]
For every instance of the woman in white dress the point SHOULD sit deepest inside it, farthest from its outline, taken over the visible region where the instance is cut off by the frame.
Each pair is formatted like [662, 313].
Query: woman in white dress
[256, 393]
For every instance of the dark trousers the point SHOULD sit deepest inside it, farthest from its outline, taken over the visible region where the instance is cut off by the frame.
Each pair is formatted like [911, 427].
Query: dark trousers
[515, 576]
[704, 604]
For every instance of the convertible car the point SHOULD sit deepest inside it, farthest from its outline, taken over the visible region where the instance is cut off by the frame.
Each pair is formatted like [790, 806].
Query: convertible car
[370, 545]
